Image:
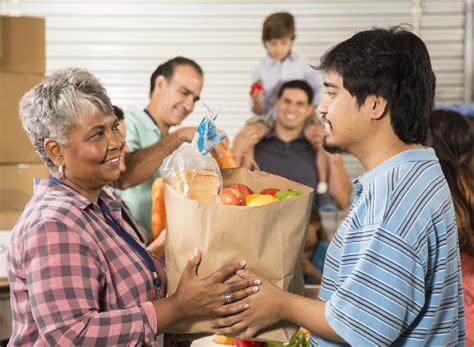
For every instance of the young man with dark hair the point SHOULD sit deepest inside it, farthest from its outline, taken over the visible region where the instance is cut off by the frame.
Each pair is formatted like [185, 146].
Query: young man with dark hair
[392, 271]
[175, 87]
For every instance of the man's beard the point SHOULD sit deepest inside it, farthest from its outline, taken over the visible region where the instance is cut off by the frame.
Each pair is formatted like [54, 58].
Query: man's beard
[334, 149]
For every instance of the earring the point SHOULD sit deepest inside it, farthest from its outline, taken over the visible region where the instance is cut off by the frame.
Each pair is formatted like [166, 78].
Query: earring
[61, 171]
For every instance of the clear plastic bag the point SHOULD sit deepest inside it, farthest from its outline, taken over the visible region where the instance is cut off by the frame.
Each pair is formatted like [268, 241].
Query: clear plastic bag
[191, 170]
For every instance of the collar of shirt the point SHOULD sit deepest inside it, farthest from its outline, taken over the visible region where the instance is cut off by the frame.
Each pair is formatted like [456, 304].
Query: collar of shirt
[272, 136]
[268, 60]
[422, 154]
[58, 189]
[148, 123]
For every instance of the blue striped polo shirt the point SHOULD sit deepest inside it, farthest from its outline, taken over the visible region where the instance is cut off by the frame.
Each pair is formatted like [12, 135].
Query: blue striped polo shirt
[392, 271]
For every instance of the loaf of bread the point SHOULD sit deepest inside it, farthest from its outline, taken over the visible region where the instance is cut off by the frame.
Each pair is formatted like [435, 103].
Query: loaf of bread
[201, 185]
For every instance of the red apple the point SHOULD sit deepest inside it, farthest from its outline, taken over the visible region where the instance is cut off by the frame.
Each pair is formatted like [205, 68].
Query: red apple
[256, 87]
[247, 343]
[241, 188]
[231, 196]
[270, 191]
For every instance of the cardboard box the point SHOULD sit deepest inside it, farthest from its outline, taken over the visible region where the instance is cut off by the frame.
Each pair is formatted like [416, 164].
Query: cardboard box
[23, 45]
[16, 184]
[1, 37]
[5, 320]
[8, 219]
[15, 147]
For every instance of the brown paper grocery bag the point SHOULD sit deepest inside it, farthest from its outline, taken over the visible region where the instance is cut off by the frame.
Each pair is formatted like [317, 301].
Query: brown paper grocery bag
[270, 238]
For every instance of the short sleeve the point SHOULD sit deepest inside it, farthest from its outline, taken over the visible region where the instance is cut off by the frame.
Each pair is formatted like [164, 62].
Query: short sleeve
[383, 294]
[132, 135]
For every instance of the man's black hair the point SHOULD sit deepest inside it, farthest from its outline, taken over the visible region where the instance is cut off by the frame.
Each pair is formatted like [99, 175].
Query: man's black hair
[391, 63]
[167, 69]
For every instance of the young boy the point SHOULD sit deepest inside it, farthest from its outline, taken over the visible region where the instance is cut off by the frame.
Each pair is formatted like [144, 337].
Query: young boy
[279, 66]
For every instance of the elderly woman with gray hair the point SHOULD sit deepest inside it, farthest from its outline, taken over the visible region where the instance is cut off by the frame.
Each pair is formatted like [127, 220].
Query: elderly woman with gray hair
[77, 271]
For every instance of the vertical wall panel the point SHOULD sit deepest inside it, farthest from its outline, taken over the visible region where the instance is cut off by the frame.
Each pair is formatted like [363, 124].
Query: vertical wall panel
[123, 41]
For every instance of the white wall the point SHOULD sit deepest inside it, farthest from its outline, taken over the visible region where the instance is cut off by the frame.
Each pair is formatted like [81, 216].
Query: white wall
[123, 41]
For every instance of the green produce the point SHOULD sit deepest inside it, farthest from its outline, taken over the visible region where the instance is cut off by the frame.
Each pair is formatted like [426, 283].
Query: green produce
[299, 340]
[285, 194]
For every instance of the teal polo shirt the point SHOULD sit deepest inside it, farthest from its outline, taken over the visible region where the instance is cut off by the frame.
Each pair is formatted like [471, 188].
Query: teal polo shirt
[141, 133]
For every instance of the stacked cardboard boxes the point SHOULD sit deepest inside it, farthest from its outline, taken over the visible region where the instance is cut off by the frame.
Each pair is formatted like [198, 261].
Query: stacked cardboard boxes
[22, 65]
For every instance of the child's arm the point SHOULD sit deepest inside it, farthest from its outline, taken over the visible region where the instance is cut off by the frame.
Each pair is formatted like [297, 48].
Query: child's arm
[330, 166]
[310, 270]
[314, 133]
[257, 101]
[322, 166]
[339, 185]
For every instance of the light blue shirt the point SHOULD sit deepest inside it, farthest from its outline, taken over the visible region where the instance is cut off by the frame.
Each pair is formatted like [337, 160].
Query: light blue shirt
[392, 272]
[272, 74]
[142, 132]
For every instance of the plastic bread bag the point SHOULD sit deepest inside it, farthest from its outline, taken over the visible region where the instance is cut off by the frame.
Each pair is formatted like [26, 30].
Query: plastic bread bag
[191, 170]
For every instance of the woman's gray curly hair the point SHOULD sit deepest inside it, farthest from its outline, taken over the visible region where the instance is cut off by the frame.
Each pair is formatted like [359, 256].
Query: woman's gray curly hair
[53, 107]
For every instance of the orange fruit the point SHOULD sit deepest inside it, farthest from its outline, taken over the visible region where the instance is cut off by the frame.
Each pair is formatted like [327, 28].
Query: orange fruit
[223, 340]
[262, 200]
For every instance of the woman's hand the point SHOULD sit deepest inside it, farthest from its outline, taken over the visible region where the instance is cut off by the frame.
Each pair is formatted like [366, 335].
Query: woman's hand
[207, 297]
[264, 309]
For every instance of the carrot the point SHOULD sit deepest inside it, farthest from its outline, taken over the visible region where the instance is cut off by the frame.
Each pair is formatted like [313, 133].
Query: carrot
[158, 211]
[223, 156]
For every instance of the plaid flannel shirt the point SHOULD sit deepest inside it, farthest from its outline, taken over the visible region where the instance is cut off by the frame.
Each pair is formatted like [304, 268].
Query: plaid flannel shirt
[73, 280]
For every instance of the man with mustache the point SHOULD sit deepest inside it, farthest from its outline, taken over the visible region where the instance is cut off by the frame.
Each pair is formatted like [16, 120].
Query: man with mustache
[392, 271]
